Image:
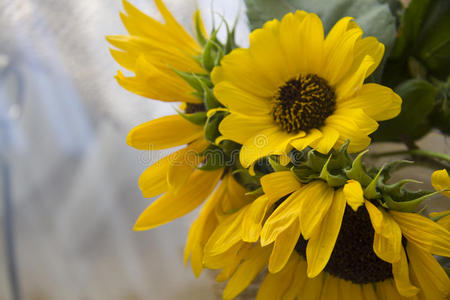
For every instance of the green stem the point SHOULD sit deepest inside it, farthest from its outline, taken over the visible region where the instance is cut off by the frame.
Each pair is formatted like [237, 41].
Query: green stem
[416, 152]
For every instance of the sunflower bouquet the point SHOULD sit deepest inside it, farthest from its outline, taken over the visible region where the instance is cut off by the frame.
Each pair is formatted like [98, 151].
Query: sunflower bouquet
[272, 142]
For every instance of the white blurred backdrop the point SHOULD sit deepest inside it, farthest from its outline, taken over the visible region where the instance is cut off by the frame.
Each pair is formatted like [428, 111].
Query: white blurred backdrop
[65, 166]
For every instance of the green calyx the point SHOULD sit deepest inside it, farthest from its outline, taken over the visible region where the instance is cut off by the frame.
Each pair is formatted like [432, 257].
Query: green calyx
[338, 167]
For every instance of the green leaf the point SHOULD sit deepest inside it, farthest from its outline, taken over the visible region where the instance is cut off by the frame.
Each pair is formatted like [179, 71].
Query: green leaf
[412, 19]
[411, 124]
[435, 48]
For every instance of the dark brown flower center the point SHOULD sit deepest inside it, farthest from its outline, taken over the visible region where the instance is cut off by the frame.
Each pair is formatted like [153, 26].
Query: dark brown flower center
[194, 108]
[303, 103]
[353, 257]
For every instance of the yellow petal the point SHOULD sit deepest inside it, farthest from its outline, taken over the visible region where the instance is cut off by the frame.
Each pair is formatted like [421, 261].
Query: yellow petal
[184, 163]
[283, 247]
[241, 101]
[312, 288]
[349, 290]
[303, 142]
[424, 233]
[240, 128]
[299, 280]
[440, 181]
[321, 244]
[153, 181]
[368, 46]
[431, 277]
[330, 289]
[443, 218]
[285, 214]
[274, 286]
[312, 38]
[369, 292]
[290, 27]
[271, 141]
[229, 257]
[247, 271]
[400, 271]
[169, 206]
[279, 184]
[317, 199]
[353, 194]
[253, 219]
[327, 141]
[163, 133]
[234, 196]
[226, 235]
[387, 243]
[353, 81]
[378, 102]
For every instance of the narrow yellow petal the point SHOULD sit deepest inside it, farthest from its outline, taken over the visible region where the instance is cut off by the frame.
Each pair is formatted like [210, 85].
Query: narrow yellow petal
[298, 282]
[281, 218]
[303, 142]
[400, 271]
[283, 247]
[353, 194]
[443, 218]
[312, 288]
[152, 181]
[274, 286]
[369, 292]
[163, 133]
[226, 235]
[317, 199]
[327, 141]
[312, 38]
[271, 141]
[247, 271]
[279, 184]
[424, 233]
[440, 181]
[431, 277]
[239, 128]
[378, 102]
[352, 82]
[253, 219]
[170, 206]
[349, 290]
[183, 164]
[321, 244]
[330, 289]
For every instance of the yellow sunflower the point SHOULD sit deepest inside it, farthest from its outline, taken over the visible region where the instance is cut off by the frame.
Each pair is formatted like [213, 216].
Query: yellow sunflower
[152, 51]
[344, 238]
[293, 88]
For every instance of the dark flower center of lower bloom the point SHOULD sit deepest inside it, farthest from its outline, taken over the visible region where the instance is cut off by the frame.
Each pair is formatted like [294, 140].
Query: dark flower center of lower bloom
[194, 108]
[353, 257]
[303, 103]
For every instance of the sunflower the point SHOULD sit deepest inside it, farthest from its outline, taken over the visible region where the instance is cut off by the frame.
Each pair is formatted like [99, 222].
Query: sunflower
[153, 51]
[339, 239]
[292, 88]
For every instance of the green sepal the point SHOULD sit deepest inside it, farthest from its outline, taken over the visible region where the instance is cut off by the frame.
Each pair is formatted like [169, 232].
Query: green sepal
[258, 192]
[392, 167]
[357, 172]
[198, 118]
[275, 164]
[304, 174]
[198, 32]
[214, 160]
[396, 189]
[208, 97]
[212, 53]
[212, 126]
[245, 179]
[435, 219]
[315, 160]
[370, 192]
[332, 180]
[406, 206]
[196, 81]
[340, 159]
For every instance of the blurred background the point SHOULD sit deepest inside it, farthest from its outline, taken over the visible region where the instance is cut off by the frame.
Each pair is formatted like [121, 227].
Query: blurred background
[68, 181]
[66, 170]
